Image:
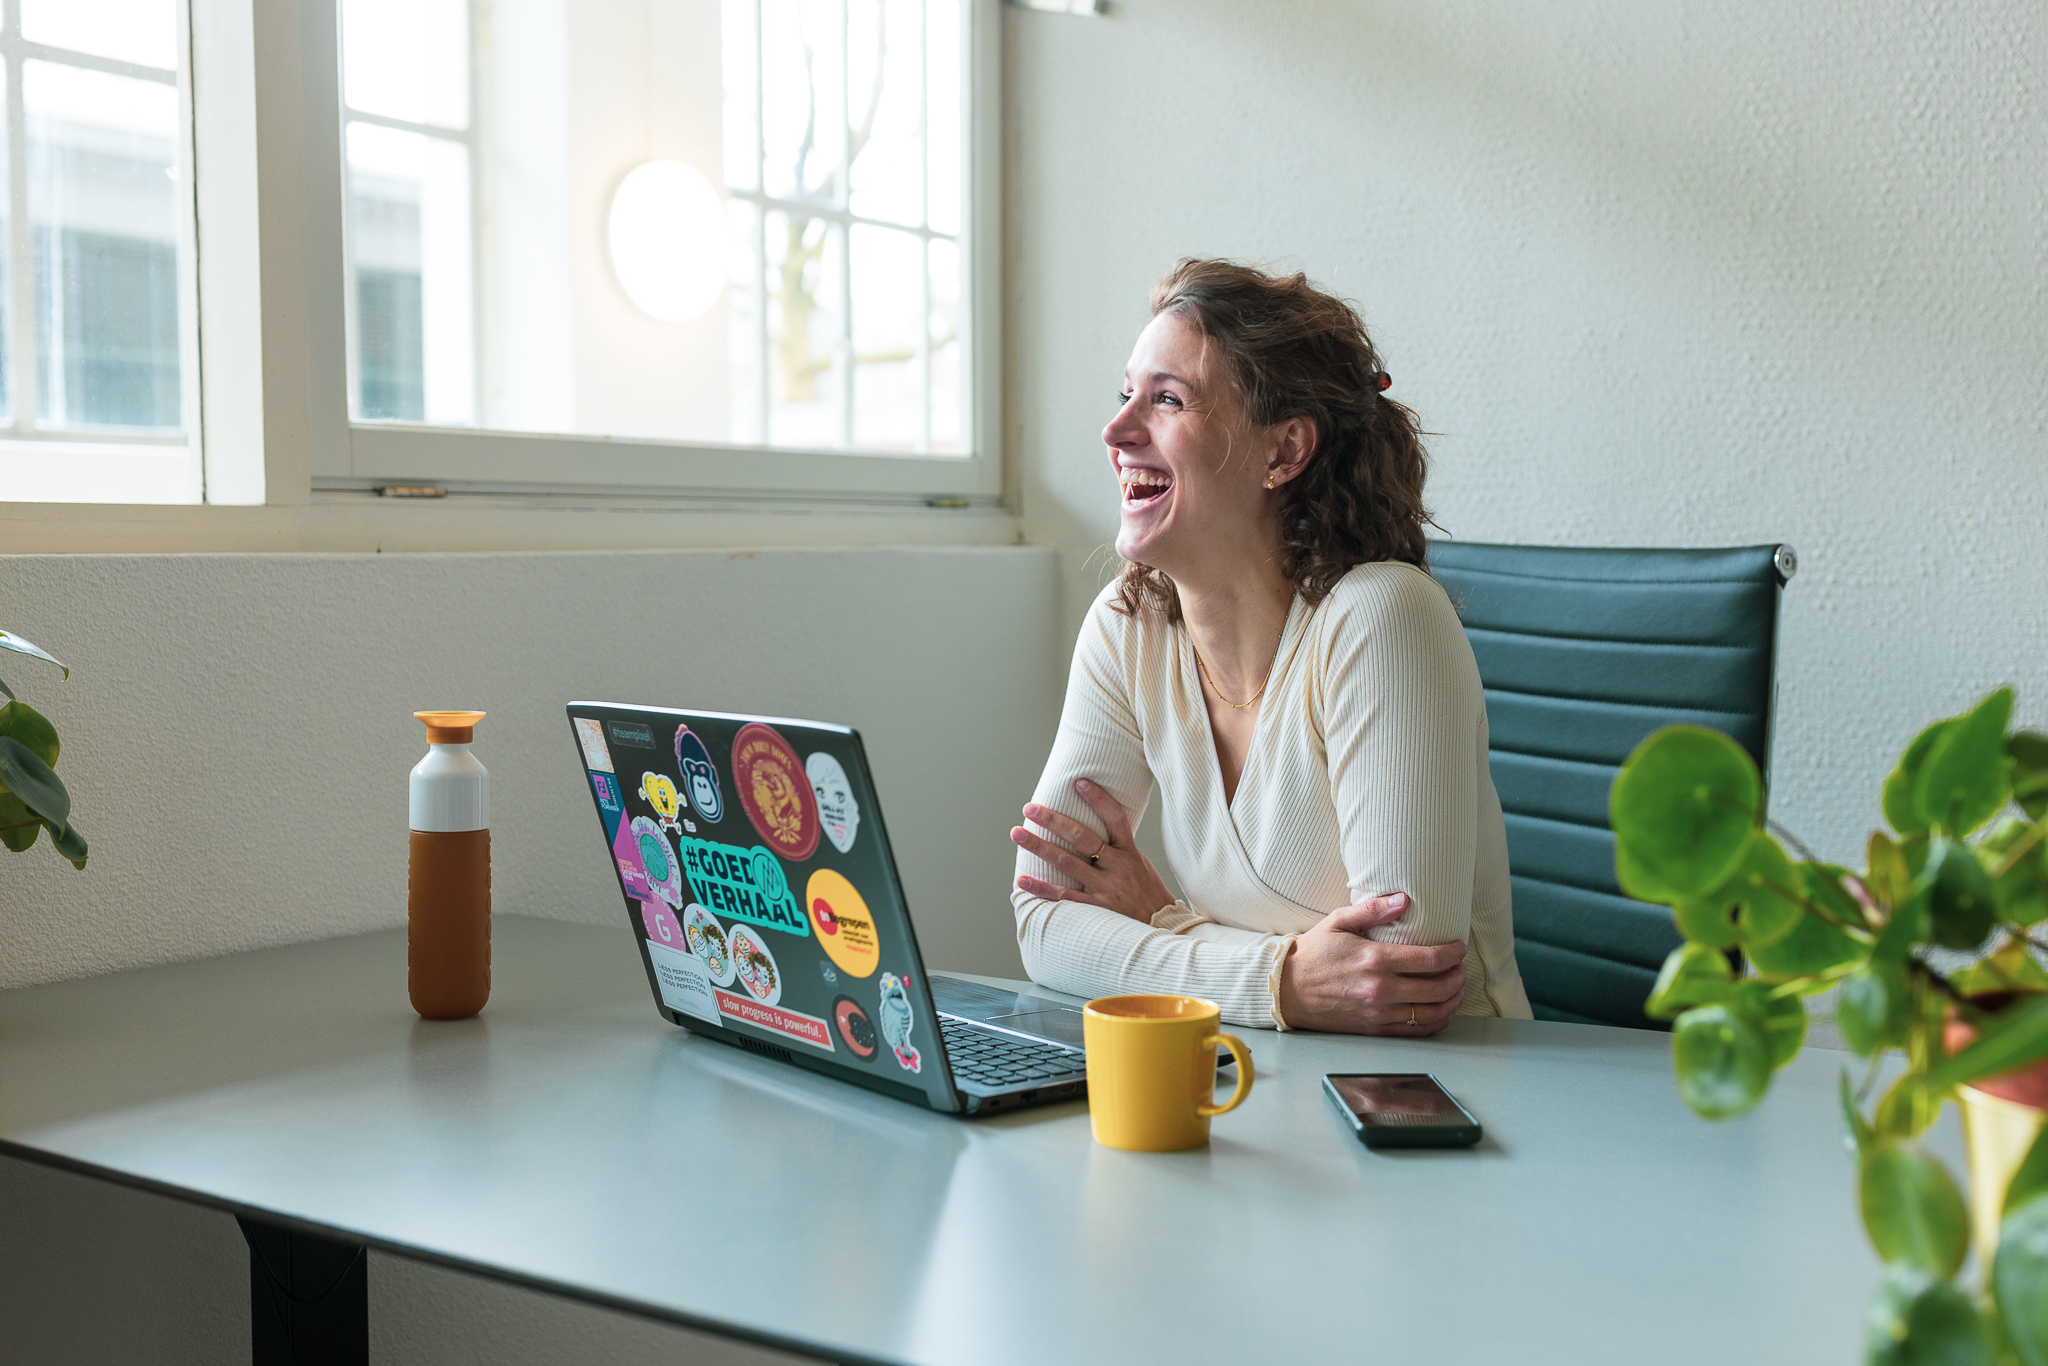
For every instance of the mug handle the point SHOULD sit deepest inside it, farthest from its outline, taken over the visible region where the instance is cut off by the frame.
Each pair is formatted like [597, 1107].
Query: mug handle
[1244, 1074]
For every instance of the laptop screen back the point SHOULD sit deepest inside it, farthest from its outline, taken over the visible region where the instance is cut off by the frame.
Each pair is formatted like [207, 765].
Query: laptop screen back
[759, 881]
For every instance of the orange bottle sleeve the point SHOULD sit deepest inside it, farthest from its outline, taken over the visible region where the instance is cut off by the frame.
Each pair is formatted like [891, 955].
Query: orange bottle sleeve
[448, 923]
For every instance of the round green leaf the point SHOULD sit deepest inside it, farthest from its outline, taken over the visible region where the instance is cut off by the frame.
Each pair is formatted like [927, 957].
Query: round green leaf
[20, 721]
[1721, 1061]
[1920, 1320]
[1912, 1209]
[19, 826]
[1908, 1108]
[29, 778]
[1782, 1019]
[1872, 1007]
[1900, 809]
[1961, 901]
[1693, 975]
[1766, 884]
[1967, 777]
[1813, 946]
[1642, 884]
[2019, 1279]
[1685, 805]
[1707, 920]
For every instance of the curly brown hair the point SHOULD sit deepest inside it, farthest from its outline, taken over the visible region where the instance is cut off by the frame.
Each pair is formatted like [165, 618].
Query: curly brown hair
[1291, 351]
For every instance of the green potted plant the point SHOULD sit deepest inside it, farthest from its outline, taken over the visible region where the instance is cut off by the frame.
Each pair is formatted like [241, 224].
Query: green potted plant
[32, 796]
[1958, 871]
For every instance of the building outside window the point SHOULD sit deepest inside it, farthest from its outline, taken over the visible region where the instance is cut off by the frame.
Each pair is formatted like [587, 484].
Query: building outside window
[97, 342]
[730, 222]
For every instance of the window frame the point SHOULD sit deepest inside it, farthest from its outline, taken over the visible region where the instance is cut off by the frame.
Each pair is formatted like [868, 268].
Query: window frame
[145, 467]
[364, 455]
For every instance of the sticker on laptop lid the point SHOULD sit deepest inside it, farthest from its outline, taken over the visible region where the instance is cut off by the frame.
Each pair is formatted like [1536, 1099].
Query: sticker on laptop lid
[856, 1030]
[742, 884]
[634, 734]
[754, 965]
[893, 1010]
[843, 923]
[660, 793]
[658, 861]
[709, 941]
[685, 983]
[590, 733]
[837, 810]
[775, 792]
[662, 928]
[700, 776]
[610, 802]
[626, 853]
[788, 1023]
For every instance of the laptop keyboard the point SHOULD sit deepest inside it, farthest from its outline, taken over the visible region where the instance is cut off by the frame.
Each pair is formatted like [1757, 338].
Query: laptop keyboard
[988, 1058]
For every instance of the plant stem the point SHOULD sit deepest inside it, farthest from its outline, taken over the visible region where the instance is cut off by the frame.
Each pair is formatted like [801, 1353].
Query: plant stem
[1916, 965]
[1797, 844]
[1815, 908]
[2011, 857]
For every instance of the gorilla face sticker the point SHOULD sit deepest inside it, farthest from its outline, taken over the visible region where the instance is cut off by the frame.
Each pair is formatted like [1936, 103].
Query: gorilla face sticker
[658, 861]
[836, 807]
[855, 1029]
[700, 778]
[895, 1015]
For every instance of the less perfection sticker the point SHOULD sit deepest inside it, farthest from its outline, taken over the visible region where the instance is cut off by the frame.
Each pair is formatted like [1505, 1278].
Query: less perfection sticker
[742, 884]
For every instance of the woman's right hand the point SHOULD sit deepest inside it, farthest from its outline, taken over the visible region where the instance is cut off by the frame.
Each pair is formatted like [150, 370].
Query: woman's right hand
[1337, 980]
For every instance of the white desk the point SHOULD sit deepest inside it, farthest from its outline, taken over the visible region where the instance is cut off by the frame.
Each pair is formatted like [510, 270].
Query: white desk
[570, 1139]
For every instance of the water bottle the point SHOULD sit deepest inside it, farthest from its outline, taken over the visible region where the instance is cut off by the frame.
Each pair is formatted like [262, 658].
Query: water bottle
[448, 905]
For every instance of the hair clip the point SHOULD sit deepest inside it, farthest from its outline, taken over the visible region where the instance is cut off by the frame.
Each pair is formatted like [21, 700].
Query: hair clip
[1386, 381]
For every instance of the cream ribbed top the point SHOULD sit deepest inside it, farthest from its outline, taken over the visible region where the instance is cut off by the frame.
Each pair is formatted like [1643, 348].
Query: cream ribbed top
[1366, 774]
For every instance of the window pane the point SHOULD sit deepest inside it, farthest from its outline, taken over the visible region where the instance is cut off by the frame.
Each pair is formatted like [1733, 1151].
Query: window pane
[409, 241]
[6, 280]
[888, 354]
[141, 31]
[806, 353]
[103, 230]
[944, 54]
[544, 285]
[949, 377]
[406, 59]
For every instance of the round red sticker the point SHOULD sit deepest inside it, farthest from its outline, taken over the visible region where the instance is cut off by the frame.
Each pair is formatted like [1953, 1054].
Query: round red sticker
[775, 792]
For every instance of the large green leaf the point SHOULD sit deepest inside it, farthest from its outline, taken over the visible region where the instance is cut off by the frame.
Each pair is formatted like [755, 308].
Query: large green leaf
[22, 722]
[70, 844]
[1685, 804]
[2029, 752]
[2019, 1279]
[1707, 920]
[1813, 946]
[1901, 811]
[1873, 1007]
[2030, 1178]
[19, 826]
[11, 641]
[1643, 884]
[1960, 899]
[1916, 1319]
[1912, 1209]
[1967, 778]
[24, 774]
[2010, 1039]
[1766, 886]
[1722, 1061]
[1908, 1108]
[1781, 1018]
[1693, 975]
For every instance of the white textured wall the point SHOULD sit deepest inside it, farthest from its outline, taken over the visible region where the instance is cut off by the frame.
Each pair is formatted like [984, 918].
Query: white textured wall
[1657, 274]
[238, 728]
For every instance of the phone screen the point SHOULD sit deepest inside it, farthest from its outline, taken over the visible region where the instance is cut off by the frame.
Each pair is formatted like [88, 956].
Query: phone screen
[1398, 1100]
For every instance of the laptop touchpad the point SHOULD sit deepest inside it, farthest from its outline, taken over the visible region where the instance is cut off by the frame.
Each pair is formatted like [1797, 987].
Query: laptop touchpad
[1061, 1025]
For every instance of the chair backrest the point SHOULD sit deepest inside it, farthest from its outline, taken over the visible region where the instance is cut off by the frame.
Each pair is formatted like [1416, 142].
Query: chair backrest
[1582, 654]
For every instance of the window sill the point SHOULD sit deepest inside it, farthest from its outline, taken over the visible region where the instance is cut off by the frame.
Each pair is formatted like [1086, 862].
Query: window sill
[346, 522]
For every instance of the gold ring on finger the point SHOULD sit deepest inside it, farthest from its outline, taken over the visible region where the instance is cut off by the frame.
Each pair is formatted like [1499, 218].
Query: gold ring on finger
[1411, 1016]
[1095, 859]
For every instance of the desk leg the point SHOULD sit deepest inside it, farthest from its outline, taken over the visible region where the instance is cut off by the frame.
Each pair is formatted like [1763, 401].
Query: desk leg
[309, 1299]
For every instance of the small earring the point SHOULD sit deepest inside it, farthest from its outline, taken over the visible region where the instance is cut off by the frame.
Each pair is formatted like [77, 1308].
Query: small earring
[1269, 481]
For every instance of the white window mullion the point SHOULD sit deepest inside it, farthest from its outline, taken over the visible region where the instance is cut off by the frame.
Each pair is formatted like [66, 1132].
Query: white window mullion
[21, 290]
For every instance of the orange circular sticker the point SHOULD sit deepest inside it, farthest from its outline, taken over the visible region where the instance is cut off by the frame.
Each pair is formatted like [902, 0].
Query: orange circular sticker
[841, 921]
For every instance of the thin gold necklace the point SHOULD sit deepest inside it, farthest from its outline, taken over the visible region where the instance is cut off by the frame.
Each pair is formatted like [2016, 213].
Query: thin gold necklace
[1238, 706]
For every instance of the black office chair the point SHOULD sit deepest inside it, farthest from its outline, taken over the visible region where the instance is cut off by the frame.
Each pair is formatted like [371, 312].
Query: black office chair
[1583, 653]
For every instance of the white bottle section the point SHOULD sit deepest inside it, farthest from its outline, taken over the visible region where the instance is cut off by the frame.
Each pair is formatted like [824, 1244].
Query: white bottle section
[450, 791]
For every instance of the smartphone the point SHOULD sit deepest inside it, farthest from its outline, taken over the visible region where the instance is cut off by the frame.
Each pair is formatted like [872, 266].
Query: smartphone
[1401, 1110]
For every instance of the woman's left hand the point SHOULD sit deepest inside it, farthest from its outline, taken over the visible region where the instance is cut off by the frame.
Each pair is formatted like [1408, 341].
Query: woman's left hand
[1117, 876]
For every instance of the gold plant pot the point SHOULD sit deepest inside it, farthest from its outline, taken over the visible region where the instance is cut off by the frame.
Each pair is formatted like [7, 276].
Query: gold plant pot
[1996, 1134]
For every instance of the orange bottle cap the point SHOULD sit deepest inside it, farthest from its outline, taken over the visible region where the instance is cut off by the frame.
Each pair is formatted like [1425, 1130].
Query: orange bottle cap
[450, 727]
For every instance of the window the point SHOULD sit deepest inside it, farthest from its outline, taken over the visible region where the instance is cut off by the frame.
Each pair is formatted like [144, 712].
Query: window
[729, 224]
[97, 327]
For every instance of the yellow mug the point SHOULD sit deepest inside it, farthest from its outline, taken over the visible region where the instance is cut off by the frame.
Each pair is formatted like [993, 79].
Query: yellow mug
[1152, 1069]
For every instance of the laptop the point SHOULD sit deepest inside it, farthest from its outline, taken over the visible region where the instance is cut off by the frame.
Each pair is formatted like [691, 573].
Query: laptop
[760, 887]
